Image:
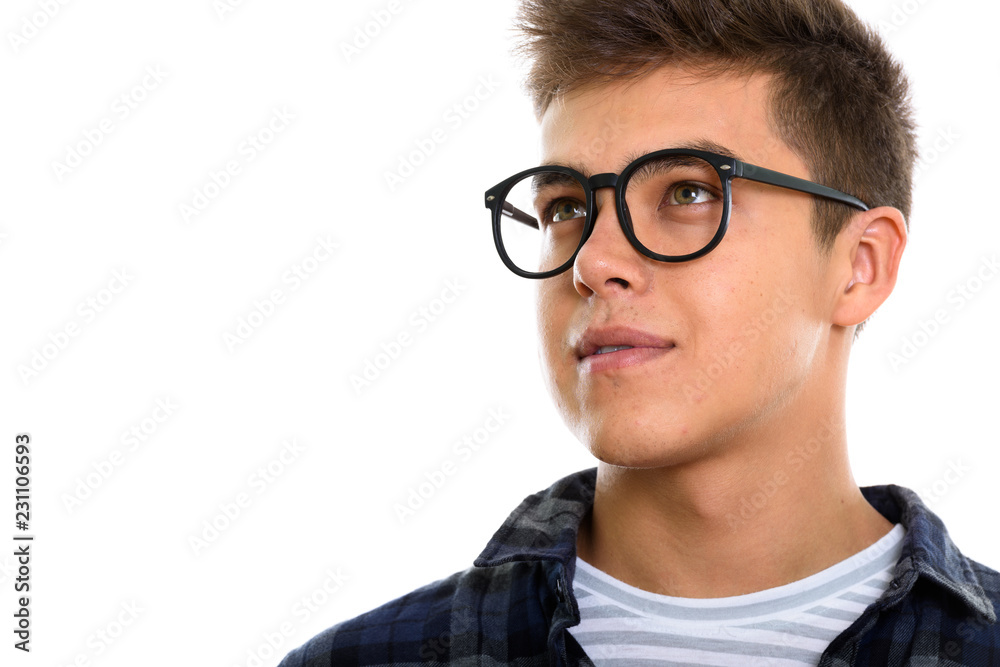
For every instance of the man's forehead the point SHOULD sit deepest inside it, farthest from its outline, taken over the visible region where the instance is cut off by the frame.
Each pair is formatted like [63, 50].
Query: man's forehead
[700, 144]
[603, 127]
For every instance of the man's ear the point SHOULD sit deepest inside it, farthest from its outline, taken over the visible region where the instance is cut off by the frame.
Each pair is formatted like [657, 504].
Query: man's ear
[866, 259]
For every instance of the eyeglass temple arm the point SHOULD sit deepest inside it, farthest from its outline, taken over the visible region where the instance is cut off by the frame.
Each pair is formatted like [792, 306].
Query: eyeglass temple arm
[762, 175]
[517, 214]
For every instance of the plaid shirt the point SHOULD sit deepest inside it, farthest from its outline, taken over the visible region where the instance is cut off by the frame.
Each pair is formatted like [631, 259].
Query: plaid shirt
[514, 605]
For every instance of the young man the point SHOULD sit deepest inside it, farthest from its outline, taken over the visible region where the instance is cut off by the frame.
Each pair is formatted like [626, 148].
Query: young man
[721, 206]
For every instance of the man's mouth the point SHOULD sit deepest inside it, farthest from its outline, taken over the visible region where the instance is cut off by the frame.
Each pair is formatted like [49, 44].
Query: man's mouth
[613, 348]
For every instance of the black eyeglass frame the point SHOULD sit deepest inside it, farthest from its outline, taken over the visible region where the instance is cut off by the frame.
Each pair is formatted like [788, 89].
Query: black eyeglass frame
[727, 168]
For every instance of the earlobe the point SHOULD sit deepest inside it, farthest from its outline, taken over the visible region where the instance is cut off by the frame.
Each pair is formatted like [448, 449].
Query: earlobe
[871, 247]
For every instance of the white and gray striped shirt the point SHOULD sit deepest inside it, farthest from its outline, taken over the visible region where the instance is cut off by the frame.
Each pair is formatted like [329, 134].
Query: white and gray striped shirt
[787, 626]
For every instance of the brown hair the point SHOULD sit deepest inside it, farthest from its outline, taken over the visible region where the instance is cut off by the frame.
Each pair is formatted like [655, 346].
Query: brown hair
[838, 99]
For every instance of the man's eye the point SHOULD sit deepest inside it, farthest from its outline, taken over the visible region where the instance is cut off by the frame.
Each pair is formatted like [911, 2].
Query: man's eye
[566, 209]
[688, 193]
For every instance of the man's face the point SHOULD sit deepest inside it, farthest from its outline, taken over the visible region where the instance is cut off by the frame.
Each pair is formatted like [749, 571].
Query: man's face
[724, 345]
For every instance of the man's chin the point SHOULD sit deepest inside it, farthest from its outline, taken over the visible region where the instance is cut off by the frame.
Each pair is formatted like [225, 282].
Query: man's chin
[644, 455]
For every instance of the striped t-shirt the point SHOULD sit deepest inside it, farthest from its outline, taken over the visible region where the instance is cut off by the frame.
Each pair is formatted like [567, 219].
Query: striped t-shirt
[787, 626]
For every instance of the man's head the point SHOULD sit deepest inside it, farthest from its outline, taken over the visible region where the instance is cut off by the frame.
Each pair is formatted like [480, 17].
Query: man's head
[837, 99]
[757, 331]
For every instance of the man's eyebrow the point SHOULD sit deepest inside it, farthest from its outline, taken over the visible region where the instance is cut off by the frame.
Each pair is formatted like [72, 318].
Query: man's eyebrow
[545, 178]
[697, 145]
[578, 166]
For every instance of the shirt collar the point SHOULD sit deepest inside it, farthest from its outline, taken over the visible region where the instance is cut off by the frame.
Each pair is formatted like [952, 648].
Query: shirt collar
[928, 550]
[544, 527]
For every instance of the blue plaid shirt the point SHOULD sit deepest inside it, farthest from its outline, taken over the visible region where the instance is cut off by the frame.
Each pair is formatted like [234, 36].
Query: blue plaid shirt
[514, 606]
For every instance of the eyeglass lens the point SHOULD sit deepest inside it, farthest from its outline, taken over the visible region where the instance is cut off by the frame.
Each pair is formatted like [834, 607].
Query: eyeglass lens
[674, 206]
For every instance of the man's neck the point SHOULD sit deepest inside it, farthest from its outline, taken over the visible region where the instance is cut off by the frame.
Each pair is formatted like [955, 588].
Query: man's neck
[757, 518]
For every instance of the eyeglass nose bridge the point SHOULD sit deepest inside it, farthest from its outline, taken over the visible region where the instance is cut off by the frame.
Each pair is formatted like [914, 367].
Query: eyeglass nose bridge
[602, 181]
[607, 180]
[596, 182]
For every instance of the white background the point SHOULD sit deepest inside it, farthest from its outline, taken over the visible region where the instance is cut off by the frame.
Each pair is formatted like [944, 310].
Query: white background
[330, 510]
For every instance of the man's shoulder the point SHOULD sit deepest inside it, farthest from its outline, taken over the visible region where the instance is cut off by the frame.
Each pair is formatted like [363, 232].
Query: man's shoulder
[988, 578]
[937, 592]
[407, 618]
[959, 614]
[989, 581]
[497, 612]
[444, 622]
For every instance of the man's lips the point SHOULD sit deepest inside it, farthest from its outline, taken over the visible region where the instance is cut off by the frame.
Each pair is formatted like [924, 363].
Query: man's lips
[597, 342]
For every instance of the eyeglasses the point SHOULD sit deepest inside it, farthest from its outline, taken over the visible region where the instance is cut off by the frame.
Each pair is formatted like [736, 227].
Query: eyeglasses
[673, 206]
